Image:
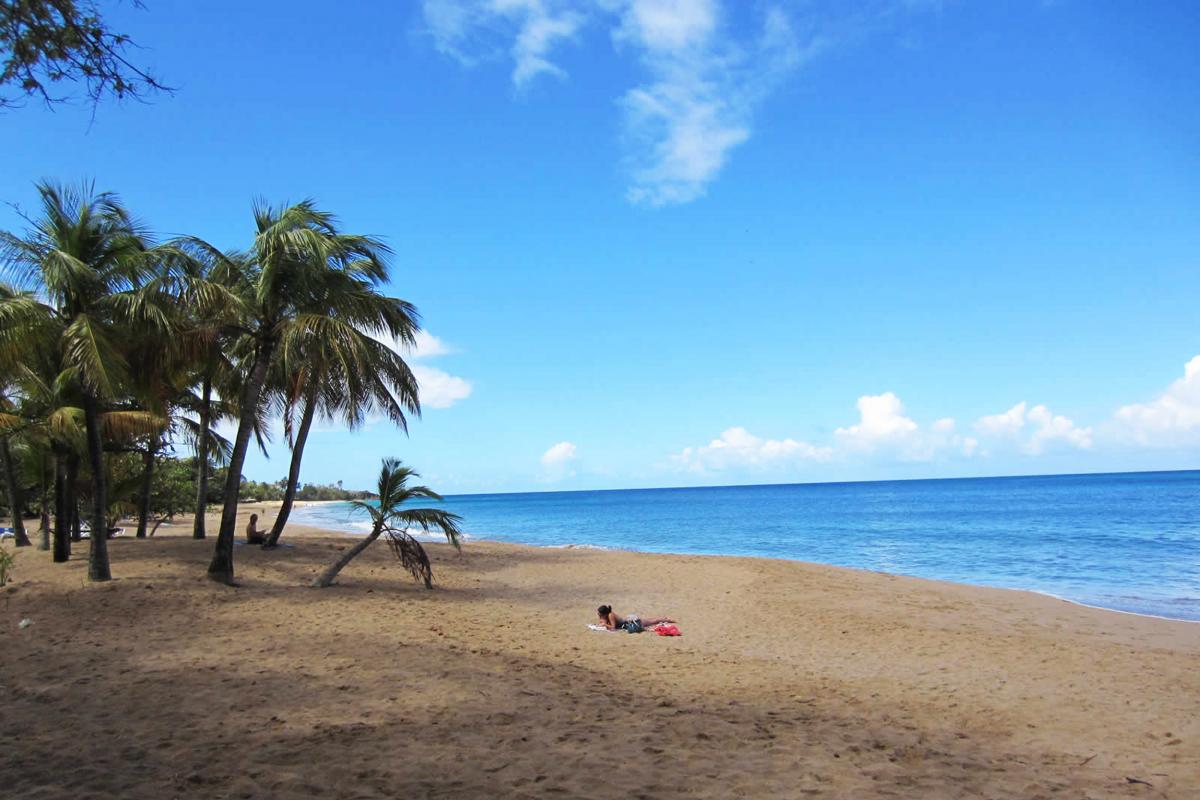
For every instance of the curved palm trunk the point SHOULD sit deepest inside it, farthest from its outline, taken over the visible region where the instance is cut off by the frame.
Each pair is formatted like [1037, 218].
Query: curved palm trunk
[15, 502]
[289, 494]
[147, 480]
[98, 567]
[202, 460]
[221, 568]
[329, 574]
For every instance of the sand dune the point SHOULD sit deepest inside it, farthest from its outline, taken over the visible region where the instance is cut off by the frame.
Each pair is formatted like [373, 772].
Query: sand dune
[791, 680]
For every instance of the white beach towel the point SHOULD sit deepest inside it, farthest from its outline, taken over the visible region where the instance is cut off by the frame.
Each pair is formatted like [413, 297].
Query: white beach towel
[599, 628]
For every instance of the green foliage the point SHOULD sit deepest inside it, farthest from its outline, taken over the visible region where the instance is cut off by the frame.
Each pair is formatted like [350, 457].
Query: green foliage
[317, 491]
[6, 564]
[44, 43]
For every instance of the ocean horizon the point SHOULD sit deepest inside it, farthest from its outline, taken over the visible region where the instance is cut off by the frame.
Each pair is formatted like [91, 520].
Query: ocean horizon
[1126, 541]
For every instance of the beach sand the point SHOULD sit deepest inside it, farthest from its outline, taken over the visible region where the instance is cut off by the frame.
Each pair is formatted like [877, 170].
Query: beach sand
[791, 680]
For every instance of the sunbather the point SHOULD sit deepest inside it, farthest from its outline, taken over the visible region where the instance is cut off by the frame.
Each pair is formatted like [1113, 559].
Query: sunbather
[632, 623]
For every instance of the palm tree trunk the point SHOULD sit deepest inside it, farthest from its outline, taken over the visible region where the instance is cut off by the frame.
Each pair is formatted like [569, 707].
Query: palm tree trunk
[221, 568]
[147, 480]
[62, 520]
[328, 575]
[63, 516]
[202, 459]
[15, 502]
[98, 567]
[73, 498]
[45, 521]
[289, 494]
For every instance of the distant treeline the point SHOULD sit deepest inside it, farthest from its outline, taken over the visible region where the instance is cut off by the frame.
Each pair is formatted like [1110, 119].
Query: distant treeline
[172, 490]
[261, 490]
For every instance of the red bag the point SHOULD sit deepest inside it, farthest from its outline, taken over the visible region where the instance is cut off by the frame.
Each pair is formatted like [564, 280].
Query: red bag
[667, 630]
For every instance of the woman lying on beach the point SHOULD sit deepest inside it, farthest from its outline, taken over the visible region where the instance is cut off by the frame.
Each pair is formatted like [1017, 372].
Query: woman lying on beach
[633, 623]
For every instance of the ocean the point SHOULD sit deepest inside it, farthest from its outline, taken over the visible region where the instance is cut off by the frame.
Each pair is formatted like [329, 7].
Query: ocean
[1129, 541]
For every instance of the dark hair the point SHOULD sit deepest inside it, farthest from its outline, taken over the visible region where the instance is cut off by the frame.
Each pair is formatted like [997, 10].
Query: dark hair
[604, 611]
[253, 517]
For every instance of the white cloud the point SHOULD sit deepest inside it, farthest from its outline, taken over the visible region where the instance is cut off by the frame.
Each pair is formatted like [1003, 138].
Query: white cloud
[1171, 419]
[881, 419]
[702, 83]
[700, 99]
[884, 428]
[426, 345]
[737, 447]
[1005, 424]
[1032, 429]
[469, 29]
[437, 389]
[558, 455]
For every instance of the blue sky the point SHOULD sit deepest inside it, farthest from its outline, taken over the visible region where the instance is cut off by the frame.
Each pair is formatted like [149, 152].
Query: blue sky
[677, 242]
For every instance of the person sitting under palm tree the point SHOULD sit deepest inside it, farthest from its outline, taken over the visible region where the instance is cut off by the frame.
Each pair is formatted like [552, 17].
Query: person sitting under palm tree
[253, 534]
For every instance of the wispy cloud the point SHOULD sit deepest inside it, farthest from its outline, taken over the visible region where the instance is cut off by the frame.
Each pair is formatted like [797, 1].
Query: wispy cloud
[527, 30]
[703, 81]
[704, 86]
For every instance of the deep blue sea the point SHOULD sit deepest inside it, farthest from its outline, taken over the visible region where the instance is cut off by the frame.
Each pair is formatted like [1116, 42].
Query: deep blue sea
[1127, 541]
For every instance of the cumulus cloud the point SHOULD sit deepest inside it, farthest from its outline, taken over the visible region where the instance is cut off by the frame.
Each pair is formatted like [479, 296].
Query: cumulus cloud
[1172, 418]
[702, 82]
[559, 455]
[883, 427]
[439, 389]
[737, 447]
[1032, 430]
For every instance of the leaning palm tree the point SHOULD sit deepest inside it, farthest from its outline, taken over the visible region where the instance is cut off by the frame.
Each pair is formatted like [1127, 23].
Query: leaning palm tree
[334, 367]
[294, 251]
[390, 518]
[91, 261]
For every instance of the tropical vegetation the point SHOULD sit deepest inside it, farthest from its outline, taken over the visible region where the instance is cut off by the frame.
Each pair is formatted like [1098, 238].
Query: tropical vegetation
[120, 355]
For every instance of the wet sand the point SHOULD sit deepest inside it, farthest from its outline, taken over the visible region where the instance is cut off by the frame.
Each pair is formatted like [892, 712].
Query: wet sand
[791, 680]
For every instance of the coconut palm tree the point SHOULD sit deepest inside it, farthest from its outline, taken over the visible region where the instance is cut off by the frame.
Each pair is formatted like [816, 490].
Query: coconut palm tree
[334, 367]
[389, 517]
[293, 252]
[92, 261]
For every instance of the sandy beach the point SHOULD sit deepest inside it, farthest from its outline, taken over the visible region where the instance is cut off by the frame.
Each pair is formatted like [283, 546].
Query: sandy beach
[791, 680]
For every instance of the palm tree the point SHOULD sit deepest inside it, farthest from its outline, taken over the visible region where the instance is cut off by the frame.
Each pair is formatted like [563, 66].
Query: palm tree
[8, 468]
[295, 249]
[88, 257]
[333, 366]
[394, 492]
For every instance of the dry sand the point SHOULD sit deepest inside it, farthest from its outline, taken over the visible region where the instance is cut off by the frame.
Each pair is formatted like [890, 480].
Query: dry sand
[791, 680]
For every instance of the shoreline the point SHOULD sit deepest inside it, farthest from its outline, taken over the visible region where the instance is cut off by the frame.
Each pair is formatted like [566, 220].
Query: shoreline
[602, 548]
[213, 518]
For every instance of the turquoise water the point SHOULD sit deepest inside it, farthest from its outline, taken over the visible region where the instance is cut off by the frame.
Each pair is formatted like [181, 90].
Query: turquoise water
[1128, 541]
